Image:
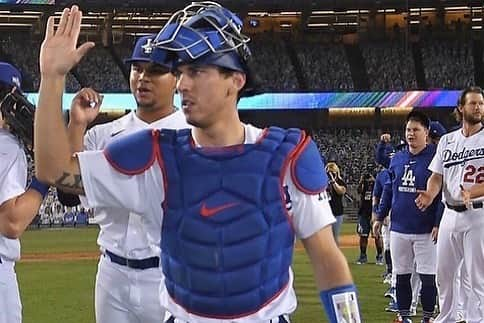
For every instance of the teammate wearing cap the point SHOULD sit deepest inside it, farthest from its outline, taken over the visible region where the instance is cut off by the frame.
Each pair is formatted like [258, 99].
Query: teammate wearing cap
[128, 272]
[234, 196]
[436, 131]
[18, 206]
[459, 162]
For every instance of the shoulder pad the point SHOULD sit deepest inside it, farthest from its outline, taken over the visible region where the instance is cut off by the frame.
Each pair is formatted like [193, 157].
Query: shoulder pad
[135, 153]
[307, 170]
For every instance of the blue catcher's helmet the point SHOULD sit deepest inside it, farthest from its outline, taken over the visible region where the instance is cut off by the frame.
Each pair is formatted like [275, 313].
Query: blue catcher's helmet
[208, 34]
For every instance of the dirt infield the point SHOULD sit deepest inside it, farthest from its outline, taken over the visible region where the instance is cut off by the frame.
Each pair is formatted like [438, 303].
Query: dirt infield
[43, 257]
[346, 241]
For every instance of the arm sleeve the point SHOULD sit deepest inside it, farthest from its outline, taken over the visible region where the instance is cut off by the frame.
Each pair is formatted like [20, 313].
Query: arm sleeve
[13, 172]
[380, 156]
[436, 165]
[106, 187]
[309, 212]
[378, 188]
[90, 140]
[385, 200]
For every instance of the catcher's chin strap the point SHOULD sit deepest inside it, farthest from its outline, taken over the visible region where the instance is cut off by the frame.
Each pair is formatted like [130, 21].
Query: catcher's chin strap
[18, 113]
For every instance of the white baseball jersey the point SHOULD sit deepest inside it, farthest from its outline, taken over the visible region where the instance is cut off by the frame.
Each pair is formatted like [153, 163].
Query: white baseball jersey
[13, 180]
[144, 193]
[123, 232]
[460, 160]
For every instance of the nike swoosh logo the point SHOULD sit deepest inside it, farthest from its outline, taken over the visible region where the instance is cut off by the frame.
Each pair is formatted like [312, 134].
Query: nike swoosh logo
[211, 211]
[117, 132]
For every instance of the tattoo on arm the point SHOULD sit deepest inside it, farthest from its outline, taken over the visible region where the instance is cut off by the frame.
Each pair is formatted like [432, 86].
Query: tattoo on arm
[71, 183]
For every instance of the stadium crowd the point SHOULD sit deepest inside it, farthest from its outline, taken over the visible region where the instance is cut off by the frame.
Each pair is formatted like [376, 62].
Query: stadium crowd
[285, 64]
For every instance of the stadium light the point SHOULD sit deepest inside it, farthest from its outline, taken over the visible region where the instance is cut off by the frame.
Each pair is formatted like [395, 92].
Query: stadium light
[258, 13]
[318, 25]
[14, 24]
[324, 12]
[456, 8]
[386, 10]
[19, 16]
[290, 13]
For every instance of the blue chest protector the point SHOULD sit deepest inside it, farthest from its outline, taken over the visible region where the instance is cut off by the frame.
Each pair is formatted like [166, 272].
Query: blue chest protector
[227, 241]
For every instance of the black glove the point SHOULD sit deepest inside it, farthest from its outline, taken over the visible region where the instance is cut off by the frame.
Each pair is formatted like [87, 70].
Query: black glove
[18, 113]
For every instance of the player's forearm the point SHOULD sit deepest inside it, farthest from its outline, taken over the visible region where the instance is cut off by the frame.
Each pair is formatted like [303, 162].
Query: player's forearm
[329, 264]
[75, 133]
[340, 189]
[434, 185]
[17, 213]
[476, 190]
[53, 155]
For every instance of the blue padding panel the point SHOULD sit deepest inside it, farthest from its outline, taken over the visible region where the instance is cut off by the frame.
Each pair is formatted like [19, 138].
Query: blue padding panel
[132, 154]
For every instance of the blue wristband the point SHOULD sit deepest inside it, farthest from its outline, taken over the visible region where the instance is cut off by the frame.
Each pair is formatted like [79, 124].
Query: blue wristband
[341, 304]
[42, 188]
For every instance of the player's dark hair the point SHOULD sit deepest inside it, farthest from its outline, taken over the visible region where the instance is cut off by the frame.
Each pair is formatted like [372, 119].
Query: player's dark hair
[419, 117]
[226, 72]
[462, 100]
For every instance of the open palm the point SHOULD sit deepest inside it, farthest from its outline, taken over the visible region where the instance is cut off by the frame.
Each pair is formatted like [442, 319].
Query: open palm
[59, 52]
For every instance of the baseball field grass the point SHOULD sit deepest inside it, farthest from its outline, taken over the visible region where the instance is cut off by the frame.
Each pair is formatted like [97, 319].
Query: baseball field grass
[57, 272]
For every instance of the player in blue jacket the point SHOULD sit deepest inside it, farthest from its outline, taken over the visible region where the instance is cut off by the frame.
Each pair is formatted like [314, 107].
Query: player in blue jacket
[413, 233]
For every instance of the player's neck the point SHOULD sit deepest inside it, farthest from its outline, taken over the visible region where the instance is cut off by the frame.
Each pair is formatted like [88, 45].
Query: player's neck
[470, 129]
[221, 134]
[416, 150]
[152, 115]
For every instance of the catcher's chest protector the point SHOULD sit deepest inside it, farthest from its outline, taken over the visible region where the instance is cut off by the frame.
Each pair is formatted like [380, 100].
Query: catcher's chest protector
[227, 242]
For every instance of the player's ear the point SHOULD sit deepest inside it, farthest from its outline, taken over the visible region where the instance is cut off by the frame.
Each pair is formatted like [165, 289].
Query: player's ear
[460, 107]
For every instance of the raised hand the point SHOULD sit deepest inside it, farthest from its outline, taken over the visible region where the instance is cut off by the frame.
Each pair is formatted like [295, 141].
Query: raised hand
[59, 52]
[386, 137]
[85, 107]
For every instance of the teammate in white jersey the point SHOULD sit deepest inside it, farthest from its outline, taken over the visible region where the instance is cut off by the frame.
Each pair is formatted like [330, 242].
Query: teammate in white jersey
[18, 206]
[459, 162]
[176, 169]
[128, 274]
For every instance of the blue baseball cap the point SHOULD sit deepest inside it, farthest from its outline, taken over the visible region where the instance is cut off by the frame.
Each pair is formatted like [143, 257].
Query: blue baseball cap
[142, 50]
[10, 76]
[436, 129]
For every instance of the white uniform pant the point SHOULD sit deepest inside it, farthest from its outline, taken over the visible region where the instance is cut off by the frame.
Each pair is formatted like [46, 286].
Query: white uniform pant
[10, 305]
[411, 251]
[460, 237]
[125, 295]
[464, 302]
